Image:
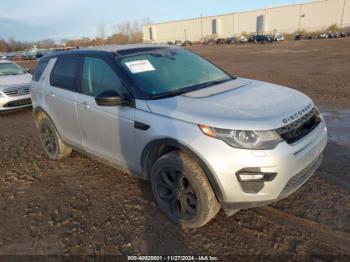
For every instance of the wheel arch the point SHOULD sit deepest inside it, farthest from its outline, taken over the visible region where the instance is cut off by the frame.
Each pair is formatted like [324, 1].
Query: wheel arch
[38, 113]
[155, 149]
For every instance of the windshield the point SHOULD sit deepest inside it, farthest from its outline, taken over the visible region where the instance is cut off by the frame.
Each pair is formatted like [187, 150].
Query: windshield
[167, 72]
[11, 69]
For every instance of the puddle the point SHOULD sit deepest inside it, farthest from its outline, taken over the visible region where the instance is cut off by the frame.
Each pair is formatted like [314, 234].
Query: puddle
[338, 124]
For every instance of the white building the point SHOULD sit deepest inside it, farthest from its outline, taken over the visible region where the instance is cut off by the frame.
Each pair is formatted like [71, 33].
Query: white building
[312, 16]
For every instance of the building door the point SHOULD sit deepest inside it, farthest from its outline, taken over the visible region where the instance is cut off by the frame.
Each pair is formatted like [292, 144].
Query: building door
[260, 24]
[150, 33]
[213, 27]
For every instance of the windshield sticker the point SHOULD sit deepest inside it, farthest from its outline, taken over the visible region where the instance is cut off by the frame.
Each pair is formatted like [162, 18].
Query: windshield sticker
[139, 66]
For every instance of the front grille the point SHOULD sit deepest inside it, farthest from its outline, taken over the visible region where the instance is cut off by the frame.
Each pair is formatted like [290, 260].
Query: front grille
[299, 179]
[16, 91]
[295, 131]
[22, 102]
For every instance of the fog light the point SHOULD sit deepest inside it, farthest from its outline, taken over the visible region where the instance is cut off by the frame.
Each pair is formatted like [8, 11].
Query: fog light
[249, 176]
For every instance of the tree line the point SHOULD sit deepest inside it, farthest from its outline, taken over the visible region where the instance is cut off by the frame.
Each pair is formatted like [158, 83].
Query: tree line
[123, 33]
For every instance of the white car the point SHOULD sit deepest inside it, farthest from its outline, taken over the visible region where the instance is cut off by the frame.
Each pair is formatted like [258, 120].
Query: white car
[279, 37]
[243, 39]
[14, 86]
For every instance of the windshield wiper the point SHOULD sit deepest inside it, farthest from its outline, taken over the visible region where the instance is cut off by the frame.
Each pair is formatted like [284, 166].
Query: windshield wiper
[212, 83]
[190, 88]
[171, 93]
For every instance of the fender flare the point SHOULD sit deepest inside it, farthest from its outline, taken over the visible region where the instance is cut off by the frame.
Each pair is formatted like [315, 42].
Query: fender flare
[147, 151]
[38, 109]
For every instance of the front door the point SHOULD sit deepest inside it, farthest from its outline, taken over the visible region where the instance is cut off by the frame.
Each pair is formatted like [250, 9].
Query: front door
[107, 132]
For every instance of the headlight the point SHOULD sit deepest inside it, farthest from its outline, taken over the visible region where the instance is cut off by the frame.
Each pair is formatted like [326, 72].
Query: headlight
[244, 139]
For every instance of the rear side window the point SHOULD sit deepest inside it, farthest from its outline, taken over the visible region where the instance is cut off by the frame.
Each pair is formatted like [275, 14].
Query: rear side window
[39, 70]
[66, 73]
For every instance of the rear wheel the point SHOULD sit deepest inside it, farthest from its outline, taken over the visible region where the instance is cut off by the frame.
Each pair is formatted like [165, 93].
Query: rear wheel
[183, 191]
[54, 147]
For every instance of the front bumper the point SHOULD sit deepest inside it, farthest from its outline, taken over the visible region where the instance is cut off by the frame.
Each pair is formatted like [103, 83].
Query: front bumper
[294, 164]
[14, 102]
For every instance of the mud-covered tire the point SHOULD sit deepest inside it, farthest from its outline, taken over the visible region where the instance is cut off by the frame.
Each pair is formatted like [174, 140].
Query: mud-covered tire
[190, 179]
[53, 145]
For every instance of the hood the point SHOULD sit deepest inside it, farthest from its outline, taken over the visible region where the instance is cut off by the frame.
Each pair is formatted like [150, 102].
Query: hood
[15, 80]
[241, 104]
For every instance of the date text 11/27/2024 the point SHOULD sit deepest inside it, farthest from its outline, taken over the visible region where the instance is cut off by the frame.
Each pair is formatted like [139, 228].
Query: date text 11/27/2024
[173, 258]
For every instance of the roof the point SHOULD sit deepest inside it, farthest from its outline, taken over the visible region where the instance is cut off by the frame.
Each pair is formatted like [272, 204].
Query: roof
[117, 49]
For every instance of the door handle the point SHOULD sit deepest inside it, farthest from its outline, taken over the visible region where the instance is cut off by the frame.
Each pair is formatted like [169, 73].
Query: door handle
[84, 105]
[51, 94]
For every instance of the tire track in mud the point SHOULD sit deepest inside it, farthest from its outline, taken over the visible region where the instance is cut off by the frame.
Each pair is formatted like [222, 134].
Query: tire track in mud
[319, 233]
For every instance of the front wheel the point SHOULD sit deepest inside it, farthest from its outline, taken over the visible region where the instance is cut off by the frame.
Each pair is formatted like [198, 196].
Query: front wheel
[183, 191]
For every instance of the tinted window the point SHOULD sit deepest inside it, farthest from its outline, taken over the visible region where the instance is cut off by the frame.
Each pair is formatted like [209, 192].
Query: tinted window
[98, 76]
[65, 73]
[39, 70]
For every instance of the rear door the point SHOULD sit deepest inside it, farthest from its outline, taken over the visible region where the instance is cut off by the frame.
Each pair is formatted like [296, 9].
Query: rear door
[107, 132]
[61, 95]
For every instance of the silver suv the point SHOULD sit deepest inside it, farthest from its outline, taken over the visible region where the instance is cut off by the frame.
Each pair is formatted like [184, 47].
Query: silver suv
[204, 139]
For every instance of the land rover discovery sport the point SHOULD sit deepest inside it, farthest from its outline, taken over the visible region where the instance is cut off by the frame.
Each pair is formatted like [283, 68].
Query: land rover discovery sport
[203, 138]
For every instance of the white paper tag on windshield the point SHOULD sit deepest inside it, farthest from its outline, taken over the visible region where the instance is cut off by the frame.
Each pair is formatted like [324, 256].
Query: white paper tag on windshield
[140, 66]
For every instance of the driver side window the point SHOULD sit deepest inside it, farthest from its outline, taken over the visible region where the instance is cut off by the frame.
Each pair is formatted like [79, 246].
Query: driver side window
[98, 76]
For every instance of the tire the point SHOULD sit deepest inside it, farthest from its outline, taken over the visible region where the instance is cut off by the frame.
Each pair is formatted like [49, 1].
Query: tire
[182, 190]
[53, 145]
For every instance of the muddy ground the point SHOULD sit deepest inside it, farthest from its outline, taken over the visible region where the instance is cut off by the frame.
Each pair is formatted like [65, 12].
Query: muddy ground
[79, 206]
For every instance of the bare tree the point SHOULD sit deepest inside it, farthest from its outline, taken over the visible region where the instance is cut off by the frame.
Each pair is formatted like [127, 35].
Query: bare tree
[101, 31]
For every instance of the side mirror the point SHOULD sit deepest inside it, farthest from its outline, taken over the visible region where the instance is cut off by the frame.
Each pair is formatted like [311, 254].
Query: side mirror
[111, 98]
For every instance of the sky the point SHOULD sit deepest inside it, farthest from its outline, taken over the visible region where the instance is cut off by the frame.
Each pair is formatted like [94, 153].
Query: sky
[32, 20]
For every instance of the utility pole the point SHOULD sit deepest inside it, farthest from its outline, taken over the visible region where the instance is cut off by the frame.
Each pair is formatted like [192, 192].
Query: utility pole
[265, 21]
[299, 26]
[201, 20]
[342, 16]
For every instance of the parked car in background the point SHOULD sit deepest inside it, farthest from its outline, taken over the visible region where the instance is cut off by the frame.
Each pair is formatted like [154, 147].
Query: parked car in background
[243, 39]
[262, 39]
[14, 86]
[8, 56]
[187, 43]
[220, 41]
[178, 43]
[323, 36]
[203, 138]
[231, 40]
[278, 37]
[299, 37]
[42, 52]
[18, 56]
[251, 38]
[29, 55]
